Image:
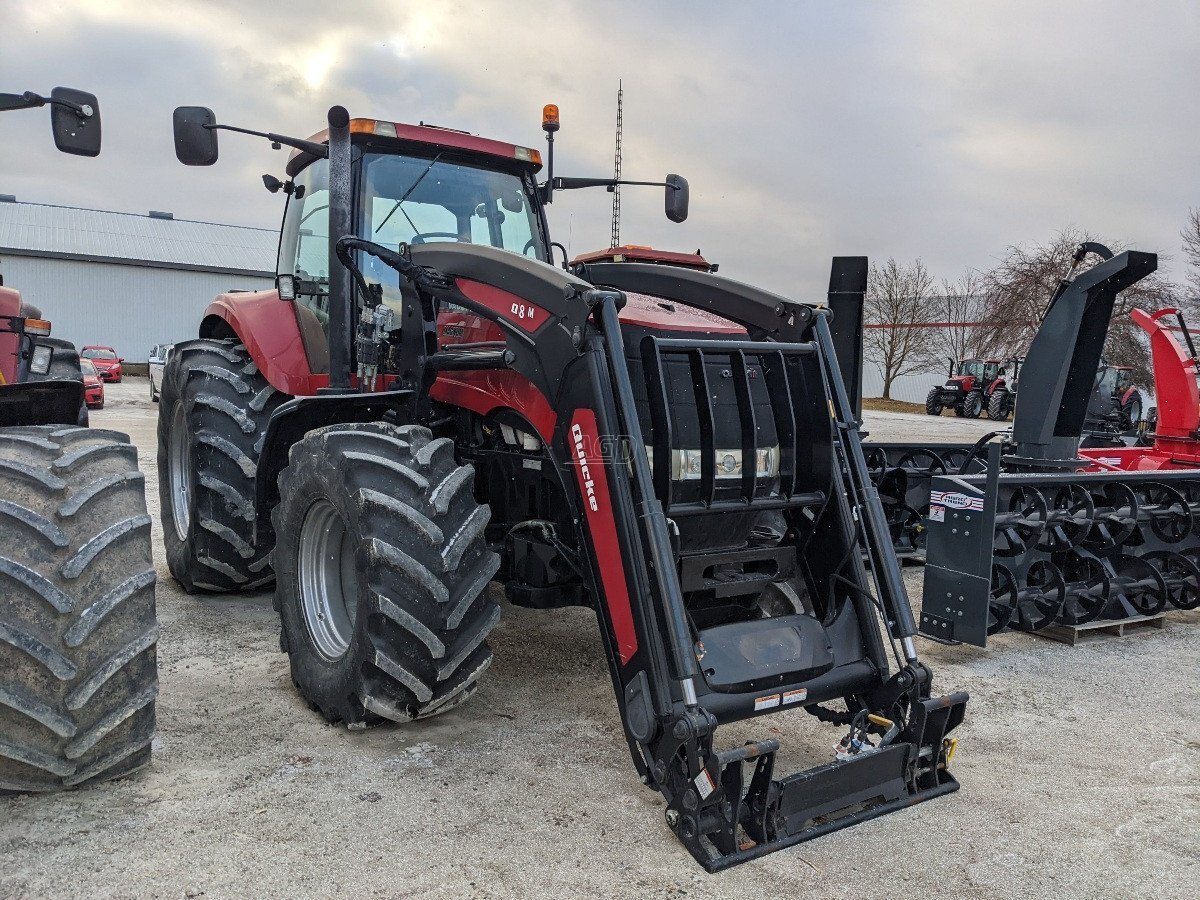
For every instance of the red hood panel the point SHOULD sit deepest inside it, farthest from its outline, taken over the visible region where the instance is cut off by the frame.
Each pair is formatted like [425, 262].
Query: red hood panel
[659, 314]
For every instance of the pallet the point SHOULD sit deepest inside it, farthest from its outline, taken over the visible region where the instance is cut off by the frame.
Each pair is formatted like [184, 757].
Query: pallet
[1101, 629]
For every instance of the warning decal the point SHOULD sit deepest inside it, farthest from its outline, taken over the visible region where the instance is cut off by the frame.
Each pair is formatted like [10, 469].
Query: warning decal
[794, 696]
[761, 703]
[937, 514]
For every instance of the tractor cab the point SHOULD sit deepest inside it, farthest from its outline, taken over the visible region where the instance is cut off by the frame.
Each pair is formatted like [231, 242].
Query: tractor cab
[412, 185]
[1114, 381]
[966, 373]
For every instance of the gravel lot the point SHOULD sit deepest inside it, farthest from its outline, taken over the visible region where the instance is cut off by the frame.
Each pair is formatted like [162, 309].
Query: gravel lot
[1080, 770]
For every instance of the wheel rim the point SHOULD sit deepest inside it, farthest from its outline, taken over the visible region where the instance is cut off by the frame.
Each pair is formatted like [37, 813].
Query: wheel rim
[179, 470]
[328, 585]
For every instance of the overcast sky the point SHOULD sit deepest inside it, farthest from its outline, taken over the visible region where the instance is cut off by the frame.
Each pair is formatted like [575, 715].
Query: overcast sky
[945, 131]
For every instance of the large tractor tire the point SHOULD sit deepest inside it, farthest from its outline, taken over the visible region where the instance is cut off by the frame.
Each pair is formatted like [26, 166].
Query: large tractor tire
[212, 419]
[78, 675]
[382, 573]
[999, 405]
[64, 366]
[1131, 413]
[933, 402]
[973, 405]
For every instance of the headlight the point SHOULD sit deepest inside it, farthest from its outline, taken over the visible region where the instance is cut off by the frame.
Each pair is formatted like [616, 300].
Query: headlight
[685, 464]
[39, 363]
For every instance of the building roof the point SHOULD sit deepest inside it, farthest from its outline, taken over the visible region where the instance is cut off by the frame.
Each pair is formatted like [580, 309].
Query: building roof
[157, 240]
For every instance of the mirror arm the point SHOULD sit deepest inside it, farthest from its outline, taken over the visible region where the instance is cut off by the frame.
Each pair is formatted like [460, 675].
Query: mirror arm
[567, 184]
[84, 111]
[30, 100]
[318, 150]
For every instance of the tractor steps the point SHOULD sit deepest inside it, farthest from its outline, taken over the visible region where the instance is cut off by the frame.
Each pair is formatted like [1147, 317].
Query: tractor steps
[1102, 629]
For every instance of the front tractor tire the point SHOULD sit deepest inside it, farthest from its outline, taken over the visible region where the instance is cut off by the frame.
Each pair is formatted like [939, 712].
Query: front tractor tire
[381, 574]
[212, 418]
[973, 405]
[933, 402]
[78, 676]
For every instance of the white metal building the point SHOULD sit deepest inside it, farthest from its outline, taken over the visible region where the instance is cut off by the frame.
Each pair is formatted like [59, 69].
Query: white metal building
[124, 280]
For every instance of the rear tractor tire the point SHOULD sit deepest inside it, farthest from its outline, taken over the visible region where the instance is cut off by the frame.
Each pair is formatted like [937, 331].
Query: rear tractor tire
[78, 676]
[382, 573]
[973, 405]
[933, 402]
[211, 423]
[999, 405]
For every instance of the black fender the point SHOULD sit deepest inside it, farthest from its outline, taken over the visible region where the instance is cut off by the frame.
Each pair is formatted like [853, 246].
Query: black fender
[294, 419]
[41, 403]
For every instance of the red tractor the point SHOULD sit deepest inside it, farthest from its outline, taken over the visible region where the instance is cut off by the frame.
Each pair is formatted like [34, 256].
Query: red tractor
[427, 404]
[975, 386]
[78, 675]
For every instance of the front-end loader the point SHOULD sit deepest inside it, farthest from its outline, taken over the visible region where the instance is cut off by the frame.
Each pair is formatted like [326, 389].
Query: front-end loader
[427, 404]
[78, 675]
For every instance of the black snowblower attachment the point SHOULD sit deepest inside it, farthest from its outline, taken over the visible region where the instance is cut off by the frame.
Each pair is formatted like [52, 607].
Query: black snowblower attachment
[668, 446]
[1046, 534]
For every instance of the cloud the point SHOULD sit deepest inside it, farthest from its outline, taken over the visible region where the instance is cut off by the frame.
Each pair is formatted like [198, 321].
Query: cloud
[807, 130]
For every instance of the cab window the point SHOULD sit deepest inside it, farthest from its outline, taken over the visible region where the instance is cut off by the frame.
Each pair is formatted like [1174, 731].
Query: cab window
[304, 243]
[424, 200]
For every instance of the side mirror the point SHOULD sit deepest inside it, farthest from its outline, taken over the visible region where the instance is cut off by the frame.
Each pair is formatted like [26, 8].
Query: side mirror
[677, 198]
[195, 144]
[76, 127]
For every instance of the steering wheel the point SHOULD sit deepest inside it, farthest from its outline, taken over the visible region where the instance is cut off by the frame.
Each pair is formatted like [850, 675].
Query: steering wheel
[424, 236]
[529, 245]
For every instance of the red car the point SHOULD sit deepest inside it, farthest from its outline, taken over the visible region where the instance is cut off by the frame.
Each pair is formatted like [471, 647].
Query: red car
[93, 387]
[108, 364]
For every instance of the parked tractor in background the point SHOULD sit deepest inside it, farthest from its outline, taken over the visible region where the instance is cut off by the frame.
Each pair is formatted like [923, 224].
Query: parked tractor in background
[975, 386]
[78, 675]
[1115, 405]
[427, 404]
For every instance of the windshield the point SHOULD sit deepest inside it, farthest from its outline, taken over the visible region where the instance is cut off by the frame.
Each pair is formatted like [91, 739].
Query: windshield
[413, 200]
[86, 367]
[98, 354]
[971, 367]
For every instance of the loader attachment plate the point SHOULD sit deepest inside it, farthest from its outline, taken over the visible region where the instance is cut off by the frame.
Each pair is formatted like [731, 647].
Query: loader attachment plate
[776, 813]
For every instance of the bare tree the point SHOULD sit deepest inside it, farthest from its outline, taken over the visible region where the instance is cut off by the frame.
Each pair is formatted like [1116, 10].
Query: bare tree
[1191, 247]
[1019, 290]
[896, 299]
[965, 304]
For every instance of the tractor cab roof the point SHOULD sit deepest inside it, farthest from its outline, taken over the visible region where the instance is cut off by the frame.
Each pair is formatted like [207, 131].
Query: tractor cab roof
[397, 137]
[641, 253]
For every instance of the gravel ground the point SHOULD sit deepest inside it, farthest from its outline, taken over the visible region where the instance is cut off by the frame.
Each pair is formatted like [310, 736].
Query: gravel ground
[1080, 771]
